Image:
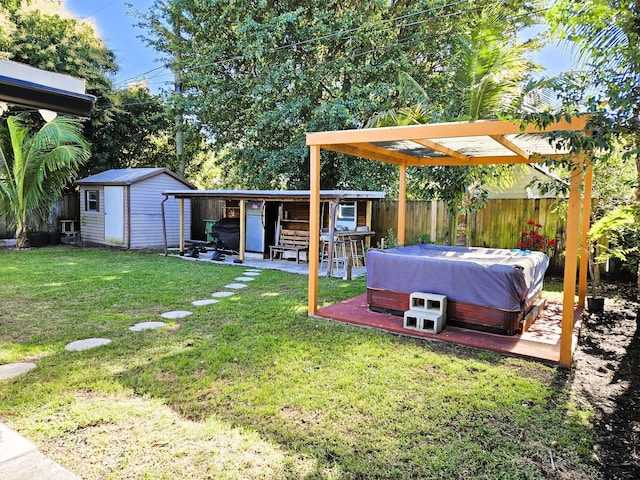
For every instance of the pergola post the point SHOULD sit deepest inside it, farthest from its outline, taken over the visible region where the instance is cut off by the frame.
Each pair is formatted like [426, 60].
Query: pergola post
[314, 228]
[402, 203]
[584, 243]
[571, 264]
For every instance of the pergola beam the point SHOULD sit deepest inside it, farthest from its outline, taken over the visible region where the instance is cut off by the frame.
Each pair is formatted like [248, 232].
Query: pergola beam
[438, 130]
[442, 149]
[505, 142]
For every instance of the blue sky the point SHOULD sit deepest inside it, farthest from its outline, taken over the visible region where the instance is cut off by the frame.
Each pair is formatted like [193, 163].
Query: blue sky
[115, 25]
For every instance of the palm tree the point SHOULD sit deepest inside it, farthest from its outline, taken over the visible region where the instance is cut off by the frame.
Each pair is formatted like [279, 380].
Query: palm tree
[604, 34]
[488, 72]
[34, 169]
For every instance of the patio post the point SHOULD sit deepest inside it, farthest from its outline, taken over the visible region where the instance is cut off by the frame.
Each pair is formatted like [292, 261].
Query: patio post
[584, 244]
[571, 263]
[243, 229]
[314, 228]
[402, 203]
[181, 202]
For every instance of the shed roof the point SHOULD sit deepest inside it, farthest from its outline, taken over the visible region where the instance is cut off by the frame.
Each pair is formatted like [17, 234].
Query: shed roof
[128, 176]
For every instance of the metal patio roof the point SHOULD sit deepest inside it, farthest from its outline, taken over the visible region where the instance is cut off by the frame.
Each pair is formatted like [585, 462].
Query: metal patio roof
[274, 195]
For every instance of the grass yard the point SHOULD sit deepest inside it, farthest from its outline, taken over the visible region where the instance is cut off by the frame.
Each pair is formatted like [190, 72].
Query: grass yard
[250, 387]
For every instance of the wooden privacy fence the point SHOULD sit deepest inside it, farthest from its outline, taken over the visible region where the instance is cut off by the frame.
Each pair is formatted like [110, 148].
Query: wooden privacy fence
[66, 208]
[498, 225]
[203, 209]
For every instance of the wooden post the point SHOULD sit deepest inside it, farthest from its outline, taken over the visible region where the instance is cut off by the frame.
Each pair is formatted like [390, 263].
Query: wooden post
[314, 228]
[584, 243]
[433, 235]
[367, 222]
[570, 265]
[243, 229]
[402, 203]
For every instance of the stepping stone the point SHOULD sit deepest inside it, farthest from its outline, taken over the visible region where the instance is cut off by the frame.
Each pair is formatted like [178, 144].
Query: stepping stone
[176, 314]
[252, 271]
[146, 326]
[222, 294]
[249, 273]
[200, 303]
[235, 286]
[86, 344]
[244, 279]
[11, 370]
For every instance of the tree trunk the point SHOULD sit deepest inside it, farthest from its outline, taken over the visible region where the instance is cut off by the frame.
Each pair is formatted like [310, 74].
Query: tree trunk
[22, 241]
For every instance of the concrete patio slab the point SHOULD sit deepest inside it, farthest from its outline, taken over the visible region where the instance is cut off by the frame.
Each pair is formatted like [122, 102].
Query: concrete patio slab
[21, 460]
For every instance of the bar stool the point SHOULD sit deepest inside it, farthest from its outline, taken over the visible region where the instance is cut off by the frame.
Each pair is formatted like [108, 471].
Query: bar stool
[339, 251]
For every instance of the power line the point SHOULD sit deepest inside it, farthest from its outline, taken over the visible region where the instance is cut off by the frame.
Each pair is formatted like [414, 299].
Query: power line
[385, 46]
[341, 33]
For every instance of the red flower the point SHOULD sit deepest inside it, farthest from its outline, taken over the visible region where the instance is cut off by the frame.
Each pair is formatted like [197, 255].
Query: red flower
[533, 239]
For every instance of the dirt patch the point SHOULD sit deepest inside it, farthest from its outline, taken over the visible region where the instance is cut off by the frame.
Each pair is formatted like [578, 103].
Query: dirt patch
[606, 375]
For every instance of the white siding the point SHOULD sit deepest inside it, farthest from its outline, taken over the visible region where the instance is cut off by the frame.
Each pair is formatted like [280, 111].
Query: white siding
[519, 188]
[92, 223]
[145, 199]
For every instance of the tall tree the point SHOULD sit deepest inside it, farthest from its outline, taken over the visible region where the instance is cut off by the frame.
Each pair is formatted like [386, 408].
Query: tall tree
[259, 75]
[34, 168]
[606, 34]
[486, 75]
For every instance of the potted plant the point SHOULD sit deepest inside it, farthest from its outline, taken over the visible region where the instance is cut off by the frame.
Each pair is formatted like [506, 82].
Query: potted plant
[595, 304]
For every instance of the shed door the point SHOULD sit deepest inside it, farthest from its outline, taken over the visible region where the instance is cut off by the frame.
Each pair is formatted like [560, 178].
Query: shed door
[114, 215]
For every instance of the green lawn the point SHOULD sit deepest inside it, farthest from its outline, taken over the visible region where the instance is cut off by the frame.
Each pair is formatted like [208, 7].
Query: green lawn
[251, 387]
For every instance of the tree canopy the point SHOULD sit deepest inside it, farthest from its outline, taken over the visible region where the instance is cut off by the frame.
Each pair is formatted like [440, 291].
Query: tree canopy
[605, 34]
[489, 68]
[259, 75]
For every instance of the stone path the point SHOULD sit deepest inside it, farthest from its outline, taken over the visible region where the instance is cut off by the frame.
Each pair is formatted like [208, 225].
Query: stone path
[19, 458]
[86, 344]
[11, 370]
[138, 327]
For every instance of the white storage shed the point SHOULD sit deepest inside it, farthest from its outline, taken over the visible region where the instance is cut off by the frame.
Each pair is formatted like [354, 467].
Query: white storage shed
[123, 208]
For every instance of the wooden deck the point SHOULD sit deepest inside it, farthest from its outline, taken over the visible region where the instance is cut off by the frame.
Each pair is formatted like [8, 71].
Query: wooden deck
[541, 342]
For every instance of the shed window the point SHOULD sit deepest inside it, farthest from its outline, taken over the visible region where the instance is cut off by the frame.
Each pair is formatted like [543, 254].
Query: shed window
[92, 203]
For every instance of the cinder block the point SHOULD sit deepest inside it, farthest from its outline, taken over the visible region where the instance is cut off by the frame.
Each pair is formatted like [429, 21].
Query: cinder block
[424, 321]
[430, 302]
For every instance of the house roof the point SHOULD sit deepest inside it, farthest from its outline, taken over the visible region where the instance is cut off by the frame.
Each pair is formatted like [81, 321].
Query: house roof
[128, 176]
[32, 87]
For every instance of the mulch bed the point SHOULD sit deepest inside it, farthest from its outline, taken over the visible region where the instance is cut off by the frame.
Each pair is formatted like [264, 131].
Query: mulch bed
[606, 375]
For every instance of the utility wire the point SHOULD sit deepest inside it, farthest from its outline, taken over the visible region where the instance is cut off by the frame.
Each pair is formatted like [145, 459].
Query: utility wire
[341, 33]
[379, 49]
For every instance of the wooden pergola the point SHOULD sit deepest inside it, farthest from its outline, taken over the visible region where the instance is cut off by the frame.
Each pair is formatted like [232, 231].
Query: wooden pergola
[466, 143]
